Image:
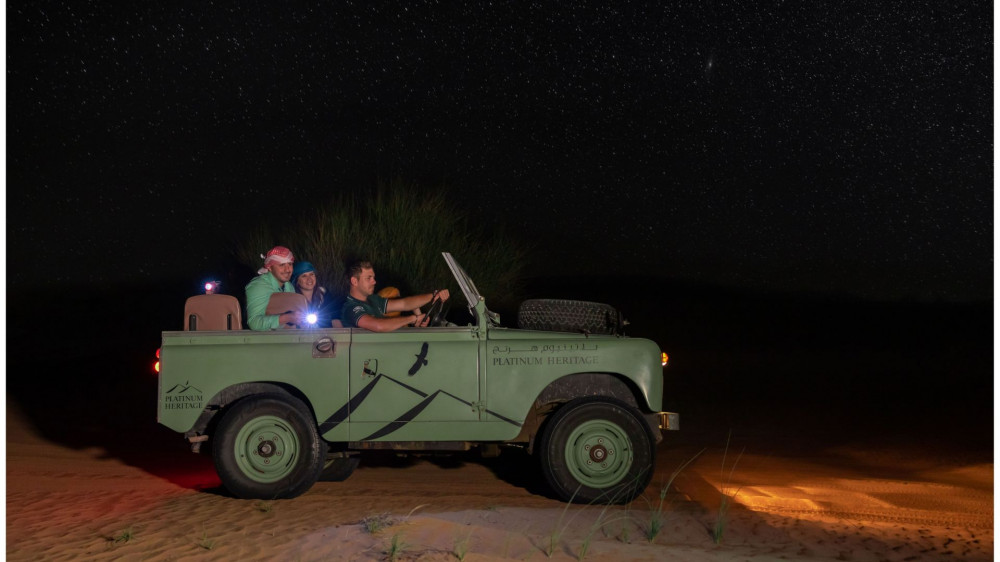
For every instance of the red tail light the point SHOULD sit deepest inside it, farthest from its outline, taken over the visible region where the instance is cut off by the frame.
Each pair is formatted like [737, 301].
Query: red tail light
[156, 366]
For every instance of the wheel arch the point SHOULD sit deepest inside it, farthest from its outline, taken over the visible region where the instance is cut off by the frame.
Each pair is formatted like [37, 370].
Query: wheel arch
[579, 385]
[582, 385]
[228, 396]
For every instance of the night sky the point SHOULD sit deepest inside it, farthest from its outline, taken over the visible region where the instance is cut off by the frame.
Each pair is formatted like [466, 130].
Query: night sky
[839, 147]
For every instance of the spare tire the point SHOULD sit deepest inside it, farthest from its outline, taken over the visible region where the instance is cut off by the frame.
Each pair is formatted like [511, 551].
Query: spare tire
[555, 315]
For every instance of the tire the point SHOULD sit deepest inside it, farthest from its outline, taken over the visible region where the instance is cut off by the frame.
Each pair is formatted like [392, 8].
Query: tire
[338, 469]
[569, 316]
[597, 450]
[267, 447]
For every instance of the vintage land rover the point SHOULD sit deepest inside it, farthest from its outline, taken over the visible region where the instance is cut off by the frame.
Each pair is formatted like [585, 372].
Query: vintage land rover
[281, 409]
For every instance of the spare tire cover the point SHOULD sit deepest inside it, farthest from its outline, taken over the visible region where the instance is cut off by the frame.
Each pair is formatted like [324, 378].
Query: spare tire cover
[568, 316]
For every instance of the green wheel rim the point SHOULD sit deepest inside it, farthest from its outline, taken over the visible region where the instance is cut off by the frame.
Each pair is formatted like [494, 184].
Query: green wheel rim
[266, 449]
[599, 454]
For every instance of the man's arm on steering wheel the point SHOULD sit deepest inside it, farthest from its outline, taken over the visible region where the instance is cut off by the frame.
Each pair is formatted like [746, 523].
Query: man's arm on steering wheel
[416, 301]
[369, 322]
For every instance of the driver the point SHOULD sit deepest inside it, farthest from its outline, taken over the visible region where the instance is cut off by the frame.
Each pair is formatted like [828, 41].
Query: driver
[365, 309]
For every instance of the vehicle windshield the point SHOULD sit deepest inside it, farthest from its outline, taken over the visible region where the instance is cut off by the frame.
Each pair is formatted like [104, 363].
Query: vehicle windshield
[472, 294]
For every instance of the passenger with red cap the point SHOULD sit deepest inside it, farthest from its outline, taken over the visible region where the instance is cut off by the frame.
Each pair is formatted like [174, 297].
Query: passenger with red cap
[274, 277]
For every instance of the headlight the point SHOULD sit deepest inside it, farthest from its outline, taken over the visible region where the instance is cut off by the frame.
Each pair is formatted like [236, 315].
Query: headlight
[212, 287]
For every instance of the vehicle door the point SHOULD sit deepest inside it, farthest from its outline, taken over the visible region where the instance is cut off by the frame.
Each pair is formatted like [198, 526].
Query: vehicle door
[414, 384]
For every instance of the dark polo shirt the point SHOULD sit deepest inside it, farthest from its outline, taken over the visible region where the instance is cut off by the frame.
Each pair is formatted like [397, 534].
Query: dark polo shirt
[354, 309]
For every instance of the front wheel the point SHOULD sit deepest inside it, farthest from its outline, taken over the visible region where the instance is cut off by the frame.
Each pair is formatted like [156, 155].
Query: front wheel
[597, 450]
[268, 448]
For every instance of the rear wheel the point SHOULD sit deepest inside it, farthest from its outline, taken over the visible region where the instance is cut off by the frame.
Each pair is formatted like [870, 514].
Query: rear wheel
[268, 448]
[597, 450]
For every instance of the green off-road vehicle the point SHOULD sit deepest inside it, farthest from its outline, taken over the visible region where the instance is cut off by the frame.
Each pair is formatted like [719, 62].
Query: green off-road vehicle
[281, 409]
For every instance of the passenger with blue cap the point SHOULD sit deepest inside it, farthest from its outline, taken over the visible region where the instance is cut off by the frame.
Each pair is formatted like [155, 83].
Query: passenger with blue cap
[306, 284]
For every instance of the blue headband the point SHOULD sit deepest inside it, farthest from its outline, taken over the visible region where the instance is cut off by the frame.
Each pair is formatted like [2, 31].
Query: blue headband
[301, 267]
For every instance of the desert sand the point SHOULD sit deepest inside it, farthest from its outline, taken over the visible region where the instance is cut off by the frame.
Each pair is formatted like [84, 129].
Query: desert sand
[70, 504]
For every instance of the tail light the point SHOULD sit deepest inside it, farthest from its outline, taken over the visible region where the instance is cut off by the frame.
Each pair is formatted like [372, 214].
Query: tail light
[156, 365]
[664, 358]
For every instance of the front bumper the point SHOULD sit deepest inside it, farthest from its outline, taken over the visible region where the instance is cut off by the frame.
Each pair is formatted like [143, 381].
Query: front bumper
[658, 421]
[669, 420]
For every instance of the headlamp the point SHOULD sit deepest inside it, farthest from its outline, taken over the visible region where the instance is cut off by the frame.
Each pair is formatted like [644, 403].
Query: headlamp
[211, 287]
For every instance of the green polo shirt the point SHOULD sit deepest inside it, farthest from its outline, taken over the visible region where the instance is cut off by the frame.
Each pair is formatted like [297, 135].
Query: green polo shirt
[259, 291]
[353, 309]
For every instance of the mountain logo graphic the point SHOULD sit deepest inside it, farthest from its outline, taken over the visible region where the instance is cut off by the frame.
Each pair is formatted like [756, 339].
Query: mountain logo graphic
[183, 397]
[185, 388]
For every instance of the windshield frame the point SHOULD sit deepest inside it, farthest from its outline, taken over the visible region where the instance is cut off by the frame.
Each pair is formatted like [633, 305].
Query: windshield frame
[465, 282]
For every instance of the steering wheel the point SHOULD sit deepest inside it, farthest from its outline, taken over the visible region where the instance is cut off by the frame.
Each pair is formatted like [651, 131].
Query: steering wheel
[434, 314]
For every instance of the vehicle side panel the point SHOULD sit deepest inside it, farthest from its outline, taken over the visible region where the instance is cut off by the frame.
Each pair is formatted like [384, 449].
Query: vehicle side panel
[520, 364]
[196, 366]
[415, 384]
[434, 384]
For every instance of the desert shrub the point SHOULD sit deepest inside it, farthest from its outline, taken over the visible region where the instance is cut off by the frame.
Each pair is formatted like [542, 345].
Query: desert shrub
[402, 230]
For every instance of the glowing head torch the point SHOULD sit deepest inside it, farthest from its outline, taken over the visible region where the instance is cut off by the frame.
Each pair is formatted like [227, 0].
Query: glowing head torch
[311, 318]
[211, 287]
